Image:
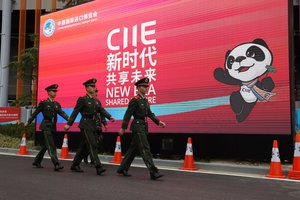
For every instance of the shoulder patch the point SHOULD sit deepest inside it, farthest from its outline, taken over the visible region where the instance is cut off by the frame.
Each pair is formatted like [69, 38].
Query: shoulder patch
[137, 97]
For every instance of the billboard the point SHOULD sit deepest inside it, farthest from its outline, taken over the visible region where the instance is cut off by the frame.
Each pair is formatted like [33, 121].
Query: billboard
[9, 115]
[214, 66]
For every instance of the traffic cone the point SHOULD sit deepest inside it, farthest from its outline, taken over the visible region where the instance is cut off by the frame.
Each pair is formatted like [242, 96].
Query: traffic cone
[295, 172]
[64, 153]
[275, 167]
[118, 153]
[189, 158]
[23, 150]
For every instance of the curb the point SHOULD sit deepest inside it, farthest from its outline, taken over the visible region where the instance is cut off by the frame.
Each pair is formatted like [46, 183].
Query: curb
[217, 167]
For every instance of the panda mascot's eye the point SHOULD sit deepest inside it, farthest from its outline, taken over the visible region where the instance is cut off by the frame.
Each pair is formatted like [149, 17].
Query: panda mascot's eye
[250, 54]
[230, 61]
[256, 53]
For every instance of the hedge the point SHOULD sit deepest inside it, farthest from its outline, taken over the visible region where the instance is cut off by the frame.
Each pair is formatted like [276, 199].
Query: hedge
[17, 130]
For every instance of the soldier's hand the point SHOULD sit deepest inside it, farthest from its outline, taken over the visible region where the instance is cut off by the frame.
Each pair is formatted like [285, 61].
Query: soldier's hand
[112, 119]
[121, 132]
[162, 124]
[106, 127]
[26, 124]
[67, 127]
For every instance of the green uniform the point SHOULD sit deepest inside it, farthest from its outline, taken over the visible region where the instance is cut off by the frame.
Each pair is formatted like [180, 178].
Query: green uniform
[99, 136]
[99, 133]
[138, 108]
[88, 107]
[49, 109]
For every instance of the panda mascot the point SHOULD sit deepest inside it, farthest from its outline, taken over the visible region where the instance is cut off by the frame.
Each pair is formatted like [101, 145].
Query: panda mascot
[247, 65]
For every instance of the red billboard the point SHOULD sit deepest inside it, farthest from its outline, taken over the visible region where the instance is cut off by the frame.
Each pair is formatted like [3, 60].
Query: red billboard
[9, 115]
[213, 66]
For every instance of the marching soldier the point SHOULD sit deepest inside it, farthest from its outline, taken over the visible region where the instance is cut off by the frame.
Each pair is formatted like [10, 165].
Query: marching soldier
[140, 109]
[88, 106]
[100, 120]
[49, 109]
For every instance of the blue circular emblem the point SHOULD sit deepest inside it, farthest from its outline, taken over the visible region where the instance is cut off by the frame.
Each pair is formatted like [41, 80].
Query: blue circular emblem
[49, 27]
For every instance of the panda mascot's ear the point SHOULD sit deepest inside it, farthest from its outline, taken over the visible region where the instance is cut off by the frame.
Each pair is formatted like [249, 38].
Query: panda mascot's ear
[227, 54]
[260, 42]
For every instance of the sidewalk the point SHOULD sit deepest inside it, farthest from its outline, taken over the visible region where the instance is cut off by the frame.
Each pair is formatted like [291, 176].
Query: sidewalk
[215, 167]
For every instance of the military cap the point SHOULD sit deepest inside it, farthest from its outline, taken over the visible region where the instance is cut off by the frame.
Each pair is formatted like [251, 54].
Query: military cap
[90, 82]
[52, 87]
[142, 82]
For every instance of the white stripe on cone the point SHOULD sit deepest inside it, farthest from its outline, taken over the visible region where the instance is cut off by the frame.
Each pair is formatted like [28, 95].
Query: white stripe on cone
[275, 155]
[118, 147]
[189, 150]
[297, 149]
[23, 141]
[65, 143]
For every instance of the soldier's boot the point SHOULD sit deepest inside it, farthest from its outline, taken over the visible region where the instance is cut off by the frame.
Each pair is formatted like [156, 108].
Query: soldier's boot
[100, 169]
[92, 162]
[123, 172]
[58, 167]
[155, 175]
[76, 168]
[85, 159]
[37, 165]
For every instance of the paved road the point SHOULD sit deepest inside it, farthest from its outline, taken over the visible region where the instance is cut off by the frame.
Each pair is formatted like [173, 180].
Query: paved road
[20, 181]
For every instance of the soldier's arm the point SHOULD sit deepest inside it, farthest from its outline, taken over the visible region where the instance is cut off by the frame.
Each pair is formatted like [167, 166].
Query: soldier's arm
[103, 121]
[129, 112]
[61, 112]
[36, 112]
[152, 116]
[77, 109]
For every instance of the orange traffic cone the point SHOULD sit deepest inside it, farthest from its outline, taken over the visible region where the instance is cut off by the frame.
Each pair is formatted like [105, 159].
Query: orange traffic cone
[275, 167]
[295, 172]
[23, 150]
[189, 158]
[118, 153]
[64, 153]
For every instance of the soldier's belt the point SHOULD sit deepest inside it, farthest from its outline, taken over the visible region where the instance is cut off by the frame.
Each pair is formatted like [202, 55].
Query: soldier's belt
[138, 121]
[49, 120]
[88, 117]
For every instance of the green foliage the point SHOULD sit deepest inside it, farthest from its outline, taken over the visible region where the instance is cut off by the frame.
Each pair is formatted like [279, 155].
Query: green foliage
[17, 130]
[24, 100]
[11, 142]
[28, 62]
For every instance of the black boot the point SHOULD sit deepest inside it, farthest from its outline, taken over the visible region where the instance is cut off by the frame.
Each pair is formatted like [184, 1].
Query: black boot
[155, 175]
[58, 167]
[76, 168]
[37, 165]
[100, 170]
[85, 159]
[123, 172]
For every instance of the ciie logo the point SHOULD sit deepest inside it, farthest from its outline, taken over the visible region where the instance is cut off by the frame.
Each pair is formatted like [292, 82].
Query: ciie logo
[49, 27]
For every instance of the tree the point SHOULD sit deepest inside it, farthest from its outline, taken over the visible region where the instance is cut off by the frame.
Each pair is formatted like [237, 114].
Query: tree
[28, 63]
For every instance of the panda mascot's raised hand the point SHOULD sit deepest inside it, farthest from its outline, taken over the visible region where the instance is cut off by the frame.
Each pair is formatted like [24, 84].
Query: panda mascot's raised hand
[248, 65]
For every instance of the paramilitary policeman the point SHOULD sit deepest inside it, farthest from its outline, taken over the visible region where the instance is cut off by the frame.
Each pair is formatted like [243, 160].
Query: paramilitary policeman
[140, 109]
[49, 109]
[100, 120]
[88, 106]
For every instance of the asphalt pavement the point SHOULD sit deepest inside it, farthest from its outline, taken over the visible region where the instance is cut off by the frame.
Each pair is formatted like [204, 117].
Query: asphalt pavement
[21, 181]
